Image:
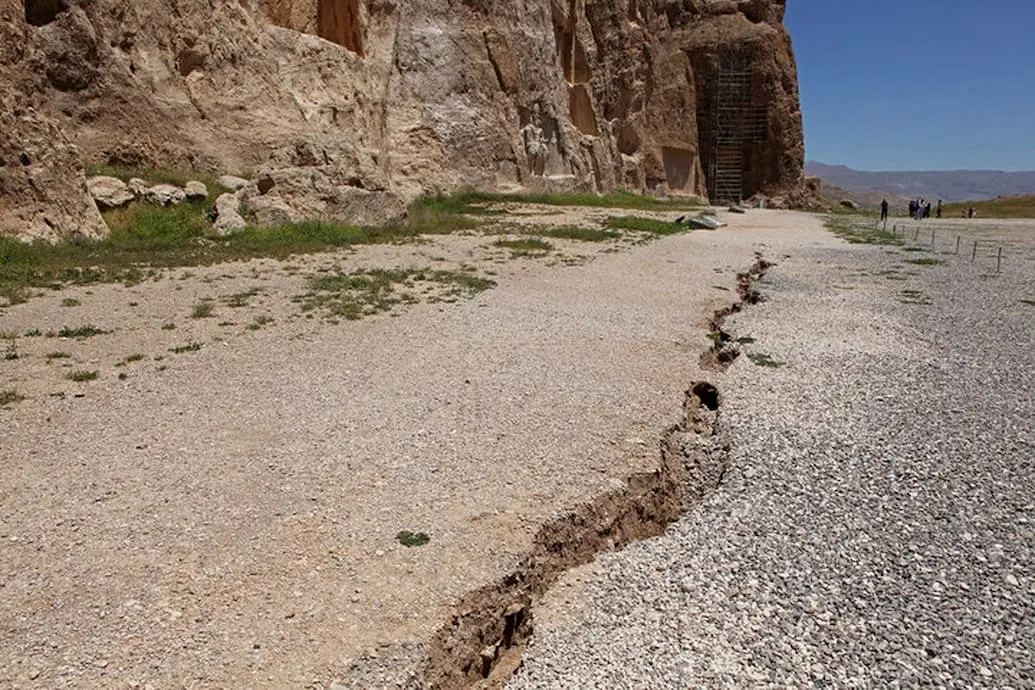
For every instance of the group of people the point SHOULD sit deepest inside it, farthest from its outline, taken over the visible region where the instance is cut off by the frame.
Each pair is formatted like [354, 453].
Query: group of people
[921, 208]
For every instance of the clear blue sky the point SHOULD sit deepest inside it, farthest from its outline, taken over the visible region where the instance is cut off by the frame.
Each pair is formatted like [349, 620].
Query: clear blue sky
[917, 84]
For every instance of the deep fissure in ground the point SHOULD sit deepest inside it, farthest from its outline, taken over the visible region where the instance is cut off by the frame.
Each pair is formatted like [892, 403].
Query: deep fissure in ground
[482, 643]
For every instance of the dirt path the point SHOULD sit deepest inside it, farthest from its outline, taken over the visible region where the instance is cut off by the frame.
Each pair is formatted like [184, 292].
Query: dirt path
[227, 515]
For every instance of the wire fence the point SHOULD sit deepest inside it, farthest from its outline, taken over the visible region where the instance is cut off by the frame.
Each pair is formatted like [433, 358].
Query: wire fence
[949, 239]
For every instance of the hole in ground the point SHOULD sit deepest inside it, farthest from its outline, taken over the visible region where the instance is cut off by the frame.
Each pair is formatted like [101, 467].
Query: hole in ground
[707, 394]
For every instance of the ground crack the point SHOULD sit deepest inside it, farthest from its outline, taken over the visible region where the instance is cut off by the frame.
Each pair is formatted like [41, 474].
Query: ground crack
[725, 350]
[482, 643]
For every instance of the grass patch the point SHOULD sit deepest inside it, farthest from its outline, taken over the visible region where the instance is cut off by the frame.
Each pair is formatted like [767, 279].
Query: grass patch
[367, 292]
[641, 224]
[1003, 207]
[10, 397]
[133, 358]
[1029, 302]
[581, 234]
[925, 261]
[241, 299]
[168, 327]
[763, 360]
[189, 347]
[623, 200]
[914, 249]
[411, 539]
[260, 321]
[87, 331]
[203, 309]
[525, 246]
[59, 354]
[70, 302]
[145, 239]
[82, 375]
[849, 229]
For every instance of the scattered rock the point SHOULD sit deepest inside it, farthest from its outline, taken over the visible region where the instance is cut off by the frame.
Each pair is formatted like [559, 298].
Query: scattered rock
[138, 187]
[848, 203]
[195, 190]
[228, 215]
[232, 182]
[165, 195]
[109, 192]
[704, 223]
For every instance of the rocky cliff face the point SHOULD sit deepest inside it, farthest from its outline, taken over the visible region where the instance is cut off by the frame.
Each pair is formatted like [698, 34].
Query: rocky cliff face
[351, 107]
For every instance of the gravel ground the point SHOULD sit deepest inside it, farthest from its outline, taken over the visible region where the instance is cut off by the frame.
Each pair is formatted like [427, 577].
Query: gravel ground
[876, 528]
[227, 516]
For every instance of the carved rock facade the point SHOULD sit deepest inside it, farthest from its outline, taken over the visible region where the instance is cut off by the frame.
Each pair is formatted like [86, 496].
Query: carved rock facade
[383, 100]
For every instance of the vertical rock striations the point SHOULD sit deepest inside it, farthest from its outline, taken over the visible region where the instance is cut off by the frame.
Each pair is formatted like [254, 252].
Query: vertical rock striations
[355, 106]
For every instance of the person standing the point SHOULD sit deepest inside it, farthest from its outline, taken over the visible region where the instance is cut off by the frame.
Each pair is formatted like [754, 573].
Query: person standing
[884, 210]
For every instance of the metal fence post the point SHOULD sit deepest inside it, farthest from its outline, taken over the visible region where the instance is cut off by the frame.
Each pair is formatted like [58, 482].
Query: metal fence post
[932, 237]
[999, 260]
[973, 256]
[958, 238]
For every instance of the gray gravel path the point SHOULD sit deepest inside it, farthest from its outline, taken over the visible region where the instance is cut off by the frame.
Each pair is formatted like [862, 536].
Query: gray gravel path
[876, 527]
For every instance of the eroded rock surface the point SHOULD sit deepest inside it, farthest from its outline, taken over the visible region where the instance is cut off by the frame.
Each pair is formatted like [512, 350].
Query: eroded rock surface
[382, 101]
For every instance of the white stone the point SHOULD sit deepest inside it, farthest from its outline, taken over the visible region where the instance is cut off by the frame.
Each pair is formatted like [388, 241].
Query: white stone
[109, 192]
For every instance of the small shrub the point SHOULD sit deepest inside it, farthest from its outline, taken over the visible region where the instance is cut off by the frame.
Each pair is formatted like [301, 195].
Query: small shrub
[260, 321]
[70, 302]
[926, 261]
[189, 347]
[123, 376]
[410, 539]
[9, 397]
[203, 309]
[87, 331]
[59, 354]
[763, 360]
[168, 327]
[82, 375]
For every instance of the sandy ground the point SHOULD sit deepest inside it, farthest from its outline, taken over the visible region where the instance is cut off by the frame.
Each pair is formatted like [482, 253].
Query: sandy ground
[226, 516]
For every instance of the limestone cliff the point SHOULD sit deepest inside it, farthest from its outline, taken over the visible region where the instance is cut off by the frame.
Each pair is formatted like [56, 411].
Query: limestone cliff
[352, 107]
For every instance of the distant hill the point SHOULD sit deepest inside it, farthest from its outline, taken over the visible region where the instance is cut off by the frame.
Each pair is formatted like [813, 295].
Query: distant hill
[949, 185]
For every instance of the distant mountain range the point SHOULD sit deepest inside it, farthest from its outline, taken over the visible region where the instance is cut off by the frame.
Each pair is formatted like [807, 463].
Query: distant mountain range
[948, 185]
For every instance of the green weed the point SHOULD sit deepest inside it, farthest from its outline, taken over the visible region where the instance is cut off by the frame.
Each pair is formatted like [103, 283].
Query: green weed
[926, 261]
[411, 539]
[87, 331]
[10, 397]
[763, 360]
[582, 234]
[82, 375]
[525, 246]
[203, 309]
